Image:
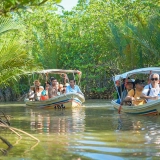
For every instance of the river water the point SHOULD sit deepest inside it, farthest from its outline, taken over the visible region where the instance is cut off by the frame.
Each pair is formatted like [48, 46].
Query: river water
[95, 131]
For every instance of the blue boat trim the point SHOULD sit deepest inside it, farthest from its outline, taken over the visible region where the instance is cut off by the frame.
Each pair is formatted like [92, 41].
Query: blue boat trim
[60, 102]
[56, 102]
[146, 112]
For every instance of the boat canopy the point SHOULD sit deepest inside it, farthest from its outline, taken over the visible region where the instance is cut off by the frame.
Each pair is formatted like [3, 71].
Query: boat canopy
[55, 71]
[148, 70]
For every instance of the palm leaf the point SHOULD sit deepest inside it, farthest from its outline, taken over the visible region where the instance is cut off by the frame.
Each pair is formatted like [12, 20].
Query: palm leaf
[7, 24]
[15, 61]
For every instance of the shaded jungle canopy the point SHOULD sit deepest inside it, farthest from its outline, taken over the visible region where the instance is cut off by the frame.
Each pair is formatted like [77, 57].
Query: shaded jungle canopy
[100, 38]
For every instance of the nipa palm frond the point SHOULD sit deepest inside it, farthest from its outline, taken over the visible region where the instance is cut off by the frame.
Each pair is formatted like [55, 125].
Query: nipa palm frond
[14, 61]
[7, 24]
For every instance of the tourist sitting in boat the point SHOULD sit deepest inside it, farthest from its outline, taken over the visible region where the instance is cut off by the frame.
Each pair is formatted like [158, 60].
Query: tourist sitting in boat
[151, 91]
[72, 87]
[64, 87]
[129, 84]
[133, 96]
[65, 78]
[36, 91]
[52, 91]
[44, 94]
[121, 87]
[31, 93]
[57, 85]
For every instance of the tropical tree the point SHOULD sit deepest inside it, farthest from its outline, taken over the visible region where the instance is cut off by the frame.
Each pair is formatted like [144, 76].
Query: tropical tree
[15, 61]
[15, 5]
[100, 38]
[43, 29]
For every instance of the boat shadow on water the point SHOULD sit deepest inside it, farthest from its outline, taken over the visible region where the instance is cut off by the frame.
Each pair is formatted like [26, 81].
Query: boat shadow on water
[139, 130]
[59, 121]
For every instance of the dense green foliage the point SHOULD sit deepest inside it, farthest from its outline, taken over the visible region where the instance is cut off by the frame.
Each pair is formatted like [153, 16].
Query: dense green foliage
[12, 5]
[100, 38]
[15, 61]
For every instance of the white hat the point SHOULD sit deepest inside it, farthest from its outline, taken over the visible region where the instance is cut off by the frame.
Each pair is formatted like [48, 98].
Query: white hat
[130, 80]
[67, 84]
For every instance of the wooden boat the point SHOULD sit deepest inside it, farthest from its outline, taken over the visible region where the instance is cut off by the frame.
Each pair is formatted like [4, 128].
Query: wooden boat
[66, 100]
[151, 108]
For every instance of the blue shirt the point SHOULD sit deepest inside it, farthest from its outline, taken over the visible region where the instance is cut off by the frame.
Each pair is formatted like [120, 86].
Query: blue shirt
[75, 89]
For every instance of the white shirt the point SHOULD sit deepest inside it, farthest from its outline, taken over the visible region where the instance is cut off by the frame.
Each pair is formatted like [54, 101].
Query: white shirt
[153, 92]
[31, 94]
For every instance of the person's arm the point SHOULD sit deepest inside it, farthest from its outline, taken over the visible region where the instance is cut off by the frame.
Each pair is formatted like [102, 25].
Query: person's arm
[129, 96]
[78, 90]
[31, 93]
[49, 92]
[66, 80]
[67, 89]
[143, 96]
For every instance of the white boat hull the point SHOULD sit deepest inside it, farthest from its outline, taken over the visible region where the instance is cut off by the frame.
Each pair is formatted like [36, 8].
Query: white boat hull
[65, 100]
[151, 108]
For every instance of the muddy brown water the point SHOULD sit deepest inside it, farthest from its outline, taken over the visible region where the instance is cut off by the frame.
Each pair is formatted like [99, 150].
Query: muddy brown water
[95, 131]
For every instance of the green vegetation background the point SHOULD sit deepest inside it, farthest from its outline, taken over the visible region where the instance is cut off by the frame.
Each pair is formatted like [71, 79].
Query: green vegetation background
[101, 38]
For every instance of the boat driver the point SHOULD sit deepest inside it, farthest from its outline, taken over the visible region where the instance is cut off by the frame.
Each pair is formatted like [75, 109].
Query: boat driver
[72, 87]
[151, 91]
[129, 84]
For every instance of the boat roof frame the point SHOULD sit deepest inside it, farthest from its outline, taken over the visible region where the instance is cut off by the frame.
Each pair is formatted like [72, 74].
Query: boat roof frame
[148, 70]
[55, 71]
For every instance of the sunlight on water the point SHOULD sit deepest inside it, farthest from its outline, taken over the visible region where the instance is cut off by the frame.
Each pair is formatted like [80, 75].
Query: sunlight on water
[95, 131]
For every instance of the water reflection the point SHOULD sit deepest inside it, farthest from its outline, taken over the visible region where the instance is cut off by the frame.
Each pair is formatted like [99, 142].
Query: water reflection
[87, 133]
[141, 131]
[66, 121]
